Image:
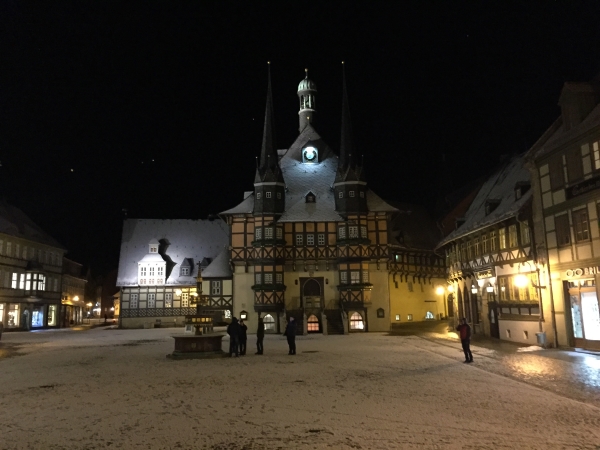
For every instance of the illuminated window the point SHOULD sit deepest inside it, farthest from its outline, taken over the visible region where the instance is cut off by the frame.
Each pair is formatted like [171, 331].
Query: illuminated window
[168, 300]
[512, 236]
[185, 299]
[493, 241]
[353, 232]
[365, 276]
[596, 149]
[355, 277]
[484, 244]
[356, 322]
[429, 315]
[269, 322]
[502, 238]
[313, 324]
[268, 278]
[525, 234]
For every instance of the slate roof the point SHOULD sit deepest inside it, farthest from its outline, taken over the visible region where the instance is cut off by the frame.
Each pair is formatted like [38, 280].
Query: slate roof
[302, 178]
[193, 239]
[220, 267]
[15, 222]
[500, 186]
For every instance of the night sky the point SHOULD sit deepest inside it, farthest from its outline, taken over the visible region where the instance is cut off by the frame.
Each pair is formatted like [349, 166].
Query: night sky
[158, 107]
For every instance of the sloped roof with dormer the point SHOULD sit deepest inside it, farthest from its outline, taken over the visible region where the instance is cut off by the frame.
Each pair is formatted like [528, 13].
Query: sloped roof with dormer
[301, 178]
[220, 267]
[499, 187]
[15, 222]
[180, 240]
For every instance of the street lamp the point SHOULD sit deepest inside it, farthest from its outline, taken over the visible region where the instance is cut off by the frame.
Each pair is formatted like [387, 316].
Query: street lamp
[473, 289]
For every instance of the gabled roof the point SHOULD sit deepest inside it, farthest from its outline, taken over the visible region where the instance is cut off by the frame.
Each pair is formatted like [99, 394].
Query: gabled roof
[500, 186]
[195, 239]
[15, 222]
[220, 267]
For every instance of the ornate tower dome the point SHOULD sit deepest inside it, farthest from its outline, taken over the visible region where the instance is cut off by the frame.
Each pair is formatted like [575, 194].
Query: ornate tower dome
[307, 94]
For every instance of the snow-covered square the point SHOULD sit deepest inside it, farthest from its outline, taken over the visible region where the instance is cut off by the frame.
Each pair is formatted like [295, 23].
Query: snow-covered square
[110, 388]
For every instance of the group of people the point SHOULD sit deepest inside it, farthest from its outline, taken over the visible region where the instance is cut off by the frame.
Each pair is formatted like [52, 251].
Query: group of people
[238, 337]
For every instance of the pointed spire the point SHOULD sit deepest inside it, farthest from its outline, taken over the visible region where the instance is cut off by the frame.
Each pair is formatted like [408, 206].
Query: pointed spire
[268, 154]
[346, 143]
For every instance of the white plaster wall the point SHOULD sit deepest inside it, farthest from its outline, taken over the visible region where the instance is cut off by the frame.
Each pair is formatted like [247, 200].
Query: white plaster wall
[517, 331]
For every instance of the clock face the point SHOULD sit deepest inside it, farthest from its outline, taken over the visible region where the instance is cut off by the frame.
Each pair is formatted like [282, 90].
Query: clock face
[310, 153]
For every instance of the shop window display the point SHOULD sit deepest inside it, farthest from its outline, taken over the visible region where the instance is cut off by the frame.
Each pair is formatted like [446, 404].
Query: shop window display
[52, 315]
[37, 319]
[13, 316]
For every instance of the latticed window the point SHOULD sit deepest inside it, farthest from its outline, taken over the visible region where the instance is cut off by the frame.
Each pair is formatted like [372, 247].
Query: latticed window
[258, 233]
[476, 246]
[356, 322]
[321, 239]
[151, 300]
[269, 322]
[363, 232]
[512, 236]
[351, 193]
[353, 232]
[581, 225]
[215, 287]
[310, 239]
[365, 276]
[299, 239]
[133, 301]
[343, 277]
[525, 233]
[143, 271]
[493, 241]
[484, 244]
[279, 233]
[342, 232]
[185, 299]
[313, 323]
[151, 271]
[168, 300]
[258, 278]
[268, 233]
[160, 271]
[502, 238]
[596, 149]
[355, 277]
[268, 278]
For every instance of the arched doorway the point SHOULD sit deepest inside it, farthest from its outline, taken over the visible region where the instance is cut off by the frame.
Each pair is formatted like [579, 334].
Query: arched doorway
[313, 325]
[312, 293]
[356, 322]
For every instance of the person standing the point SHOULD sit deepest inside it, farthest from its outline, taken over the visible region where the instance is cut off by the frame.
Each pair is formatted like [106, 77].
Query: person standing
[243, 337]
[290, 333]
[233, 330]
[465, 339]
[260, 335]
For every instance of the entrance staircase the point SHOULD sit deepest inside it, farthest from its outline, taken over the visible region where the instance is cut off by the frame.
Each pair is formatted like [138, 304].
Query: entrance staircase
[334, 321]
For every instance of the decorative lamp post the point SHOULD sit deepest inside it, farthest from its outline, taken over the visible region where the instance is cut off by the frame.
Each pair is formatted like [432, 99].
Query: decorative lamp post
[441, 291]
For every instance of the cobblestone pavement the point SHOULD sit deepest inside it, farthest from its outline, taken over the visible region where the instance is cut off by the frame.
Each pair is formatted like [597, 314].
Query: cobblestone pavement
[568, 373]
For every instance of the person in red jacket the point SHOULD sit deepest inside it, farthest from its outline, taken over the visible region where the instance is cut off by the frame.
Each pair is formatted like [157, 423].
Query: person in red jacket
[464, 331]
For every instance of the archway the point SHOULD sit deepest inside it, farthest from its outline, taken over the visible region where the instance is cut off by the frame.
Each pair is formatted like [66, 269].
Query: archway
[313, 324]
[356, 322]
[269, 322]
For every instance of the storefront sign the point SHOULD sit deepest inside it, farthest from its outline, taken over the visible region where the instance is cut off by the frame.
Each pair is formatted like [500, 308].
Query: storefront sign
[583, 187]
[484, 274]
[582, 272]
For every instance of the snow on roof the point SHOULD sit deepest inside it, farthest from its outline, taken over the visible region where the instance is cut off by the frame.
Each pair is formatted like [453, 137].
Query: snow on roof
[15, 222]
[500, 186]
[301, 178]
[180, 240]
[220, 267]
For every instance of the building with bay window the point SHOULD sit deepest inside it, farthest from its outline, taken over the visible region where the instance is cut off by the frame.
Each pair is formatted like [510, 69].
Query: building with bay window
[565, 165]
[30, 273]
[312, 240]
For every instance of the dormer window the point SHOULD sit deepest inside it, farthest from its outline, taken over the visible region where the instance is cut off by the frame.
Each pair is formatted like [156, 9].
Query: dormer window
[186, 267]
[153, 248]
[521, 188]
[491, 205]
[459, 222]
[310, 198]
[351, 193]
[268, 194]
[185, 271]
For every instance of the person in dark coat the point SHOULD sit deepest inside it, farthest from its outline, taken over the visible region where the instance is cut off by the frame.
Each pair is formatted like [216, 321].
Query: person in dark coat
[260, 335]
[243, 337]
[233, 330]
[464, 331]
[290, 333]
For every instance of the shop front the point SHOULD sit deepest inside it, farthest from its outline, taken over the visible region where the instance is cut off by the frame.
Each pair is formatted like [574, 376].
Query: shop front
[28, 316]
[580, 288]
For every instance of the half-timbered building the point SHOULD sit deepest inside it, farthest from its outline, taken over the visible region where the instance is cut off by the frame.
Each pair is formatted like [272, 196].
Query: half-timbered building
[493, 275]
[160, 271]
[313, 241]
